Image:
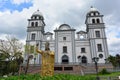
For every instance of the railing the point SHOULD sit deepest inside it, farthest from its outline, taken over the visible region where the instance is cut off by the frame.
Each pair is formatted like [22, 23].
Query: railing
[109, 78]
[76, 63]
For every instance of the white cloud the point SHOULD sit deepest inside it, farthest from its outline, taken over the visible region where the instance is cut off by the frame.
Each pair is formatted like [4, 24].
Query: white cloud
[3, 36]
[56, 12]
[112, 32]
[18, 2]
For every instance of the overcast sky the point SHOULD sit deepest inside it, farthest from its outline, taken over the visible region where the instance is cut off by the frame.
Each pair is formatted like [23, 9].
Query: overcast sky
[14, 15]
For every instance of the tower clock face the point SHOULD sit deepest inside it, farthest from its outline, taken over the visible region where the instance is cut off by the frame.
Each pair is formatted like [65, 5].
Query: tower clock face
[100, 55]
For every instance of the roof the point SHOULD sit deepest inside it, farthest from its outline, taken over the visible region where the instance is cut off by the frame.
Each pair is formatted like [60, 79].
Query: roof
[37, 13]
[81, 32]
[48, 33]
[93, 10]
[64, 27]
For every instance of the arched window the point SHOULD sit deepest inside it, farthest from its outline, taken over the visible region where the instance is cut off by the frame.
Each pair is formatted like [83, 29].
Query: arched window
[33, 36]
[94, 14]
[32, 24]
[36, 24]
[97, 34]
[89, 14]
[84, 59]
[98, 20]
[93, 20]
[65, 59]
[79, 59]
[35, 17]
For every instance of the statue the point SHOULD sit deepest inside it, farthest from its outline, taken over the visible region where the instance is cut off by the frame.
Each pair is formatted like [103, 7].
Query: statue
[47, 67]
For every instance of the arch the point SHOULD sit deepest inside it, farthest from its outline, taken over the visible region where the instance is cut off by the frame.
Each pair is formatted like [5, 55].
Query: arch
[64, 27]
[65, 59]
[35, 17]
[32, 23]
[98, 20]
[93, 20]
[36, 24]
[79, 59]
[94, 13]
[84, 59]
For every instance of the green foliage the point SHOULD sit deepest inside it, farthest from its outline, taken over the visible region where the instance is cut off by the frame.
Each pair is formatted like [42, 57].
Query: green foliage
[115, 60]
[55, 77]
[10, 56]
[104, 71]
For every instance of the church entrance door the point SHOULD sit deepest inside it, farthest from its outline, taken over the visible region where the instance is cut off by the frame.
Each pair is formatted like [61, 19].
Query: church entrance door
[84, 59]
[65, 59]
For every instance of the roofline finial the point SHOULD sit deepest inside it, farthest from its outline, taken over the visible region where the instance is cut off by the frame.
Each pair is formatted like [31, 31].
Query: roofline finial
[91, 6]
[38, 9]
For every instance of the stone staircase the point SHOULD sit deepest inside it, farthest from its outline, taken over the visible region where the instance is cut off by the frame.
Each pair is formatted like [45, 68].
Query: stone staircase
[74, 68]
[90, 68]
[34, 69]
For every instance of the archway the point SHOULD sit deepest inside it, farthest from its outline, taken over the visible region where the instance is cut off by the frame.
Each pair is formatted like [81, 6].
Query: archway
[79, 59]
[65, 59]
[84, 59]
[98, 21]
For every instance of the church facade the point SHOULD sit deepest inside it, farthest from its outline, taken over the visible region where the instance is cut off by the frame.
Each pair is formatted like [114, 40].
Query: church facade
[68, 48]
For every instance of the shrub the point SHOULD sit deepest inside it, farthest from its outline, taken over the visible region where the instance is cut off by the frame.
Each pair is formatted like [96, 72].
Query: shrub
[104, 71]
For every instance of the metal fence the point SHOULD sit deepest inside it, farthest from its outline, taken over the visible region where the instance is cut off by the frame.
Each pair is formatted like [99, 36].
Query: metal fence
[109, 78]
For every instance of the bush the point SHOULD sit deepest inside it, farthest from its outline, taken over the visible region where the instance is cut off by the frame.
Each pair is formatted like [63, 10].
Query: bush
[104, 71]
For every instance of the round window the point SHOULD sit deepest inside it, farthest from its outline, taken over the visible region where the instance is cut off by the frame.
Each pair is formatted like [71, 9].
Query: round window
[100, 55]
[81, 37]
[48, 38]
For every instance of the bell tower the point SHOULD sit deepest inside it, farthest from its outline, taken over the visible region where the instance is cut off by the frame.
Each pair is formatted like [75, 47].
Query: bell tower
[96, 34]
[35, 31]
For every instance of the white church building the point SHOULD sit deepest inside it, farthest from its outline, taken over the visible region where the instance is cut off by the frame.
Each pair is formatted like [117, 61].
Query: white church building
[68, 48]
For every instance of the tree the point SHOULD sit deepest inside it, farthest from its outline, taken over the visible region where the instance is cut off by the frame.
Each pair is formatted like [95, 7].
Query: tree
[112, 60]
[29, 49]
[11, 51]
[118, 60]
[115, 60]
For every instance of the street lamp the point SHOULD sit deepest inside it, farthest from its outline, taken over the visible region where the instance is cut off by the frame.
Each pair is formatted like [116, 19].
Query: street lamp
[96, 59]
[106, 61]
[34, 60]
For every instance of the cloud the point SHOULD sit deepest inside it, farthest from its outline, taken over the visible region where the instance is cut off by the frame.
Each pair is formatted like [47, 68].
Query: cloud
[14, 23]
[57, 12]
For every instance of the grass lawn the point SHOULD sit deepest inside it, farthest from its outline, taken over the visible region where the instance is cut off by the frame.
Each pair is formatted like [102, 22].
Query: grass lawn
[113, 74]
[59, 77]
[55, 77]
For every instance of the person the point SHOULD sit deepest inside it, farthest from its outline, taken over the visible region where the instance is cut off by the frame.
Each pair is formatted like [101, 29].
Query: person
[47, 67]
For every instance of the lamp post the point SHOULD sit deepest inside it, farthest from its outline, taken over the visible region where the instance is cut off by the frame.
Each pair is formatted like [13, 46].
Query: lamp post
[96, 59]
[34, 60]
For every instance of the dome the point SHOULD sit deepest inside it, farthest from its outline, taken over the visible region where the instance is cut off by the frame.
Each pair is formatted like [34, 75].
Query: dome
[81, 32]
[93, 12]
[48, 33]
[37, 13]
[64, 27]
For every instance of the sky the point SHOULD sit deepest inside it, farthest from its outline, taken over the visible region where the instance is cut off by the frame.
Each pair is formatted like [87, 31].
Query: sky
[14, 15]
